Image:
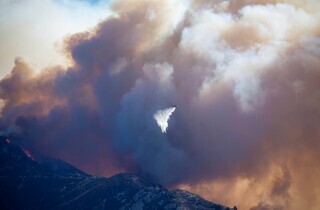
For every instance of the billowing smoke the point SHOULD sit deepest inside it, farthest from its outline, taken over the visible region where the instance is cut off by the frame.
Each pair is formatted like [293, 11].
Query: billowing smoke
[162, 117]
[246, 76]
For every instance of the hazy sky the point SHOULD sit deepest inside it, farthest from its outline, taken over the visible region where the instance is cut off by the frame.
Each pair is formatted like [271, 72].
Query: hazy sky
[35, 29]
[245, 75]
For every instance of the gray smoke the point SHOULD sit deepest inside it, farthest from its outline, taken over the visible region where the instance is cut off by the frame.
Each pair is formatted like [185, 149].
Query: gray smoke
[245, 74]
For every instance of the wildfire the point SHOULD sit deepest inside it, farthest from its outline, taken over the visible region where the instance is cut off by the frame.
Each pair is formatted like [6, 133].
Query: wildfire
[27, 152]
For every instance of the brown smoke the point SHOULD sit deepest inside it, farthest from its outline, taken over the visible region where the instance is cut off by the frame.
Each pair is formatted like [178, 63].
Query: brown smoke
[246, 77]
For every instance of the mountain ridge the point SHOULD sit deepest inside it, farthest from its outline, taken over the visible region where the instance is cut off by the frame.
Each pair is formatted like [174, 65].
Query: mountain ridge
[28, 184]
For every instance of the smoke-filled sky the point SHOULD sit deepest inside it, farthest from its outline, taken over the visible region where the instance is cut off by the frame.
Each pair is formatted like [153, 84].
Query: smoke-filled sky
[244, 73]
[35, 29]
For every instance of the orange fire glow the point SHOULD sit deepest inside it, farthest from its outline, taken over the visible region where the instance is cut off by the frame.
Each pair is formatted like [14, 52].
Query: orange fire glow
[27, 152]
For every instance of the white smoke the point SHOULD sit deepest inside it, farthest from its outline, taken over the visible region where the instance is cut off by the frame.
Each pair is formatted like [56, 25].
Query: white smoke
[246, 71]
[162, 117]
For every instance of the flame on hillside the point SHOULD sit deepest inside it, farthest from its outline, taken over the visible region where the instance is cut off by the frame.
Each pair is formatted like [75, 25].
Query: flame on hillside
[28, 153]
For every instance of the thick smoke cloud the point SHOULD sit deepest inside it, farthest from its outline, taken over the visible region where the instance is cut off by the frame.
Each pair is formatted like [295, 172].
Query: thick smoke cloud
[246, 77]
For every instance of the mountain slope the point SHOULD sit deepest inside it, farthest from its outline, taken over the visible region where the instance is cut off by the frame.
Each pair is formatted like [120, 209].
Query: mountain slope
[27, 184]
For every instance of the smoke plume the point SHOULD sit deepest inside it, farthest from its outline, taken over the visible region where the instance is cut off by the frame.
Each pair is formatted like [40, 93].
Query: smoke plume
[246, 76]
